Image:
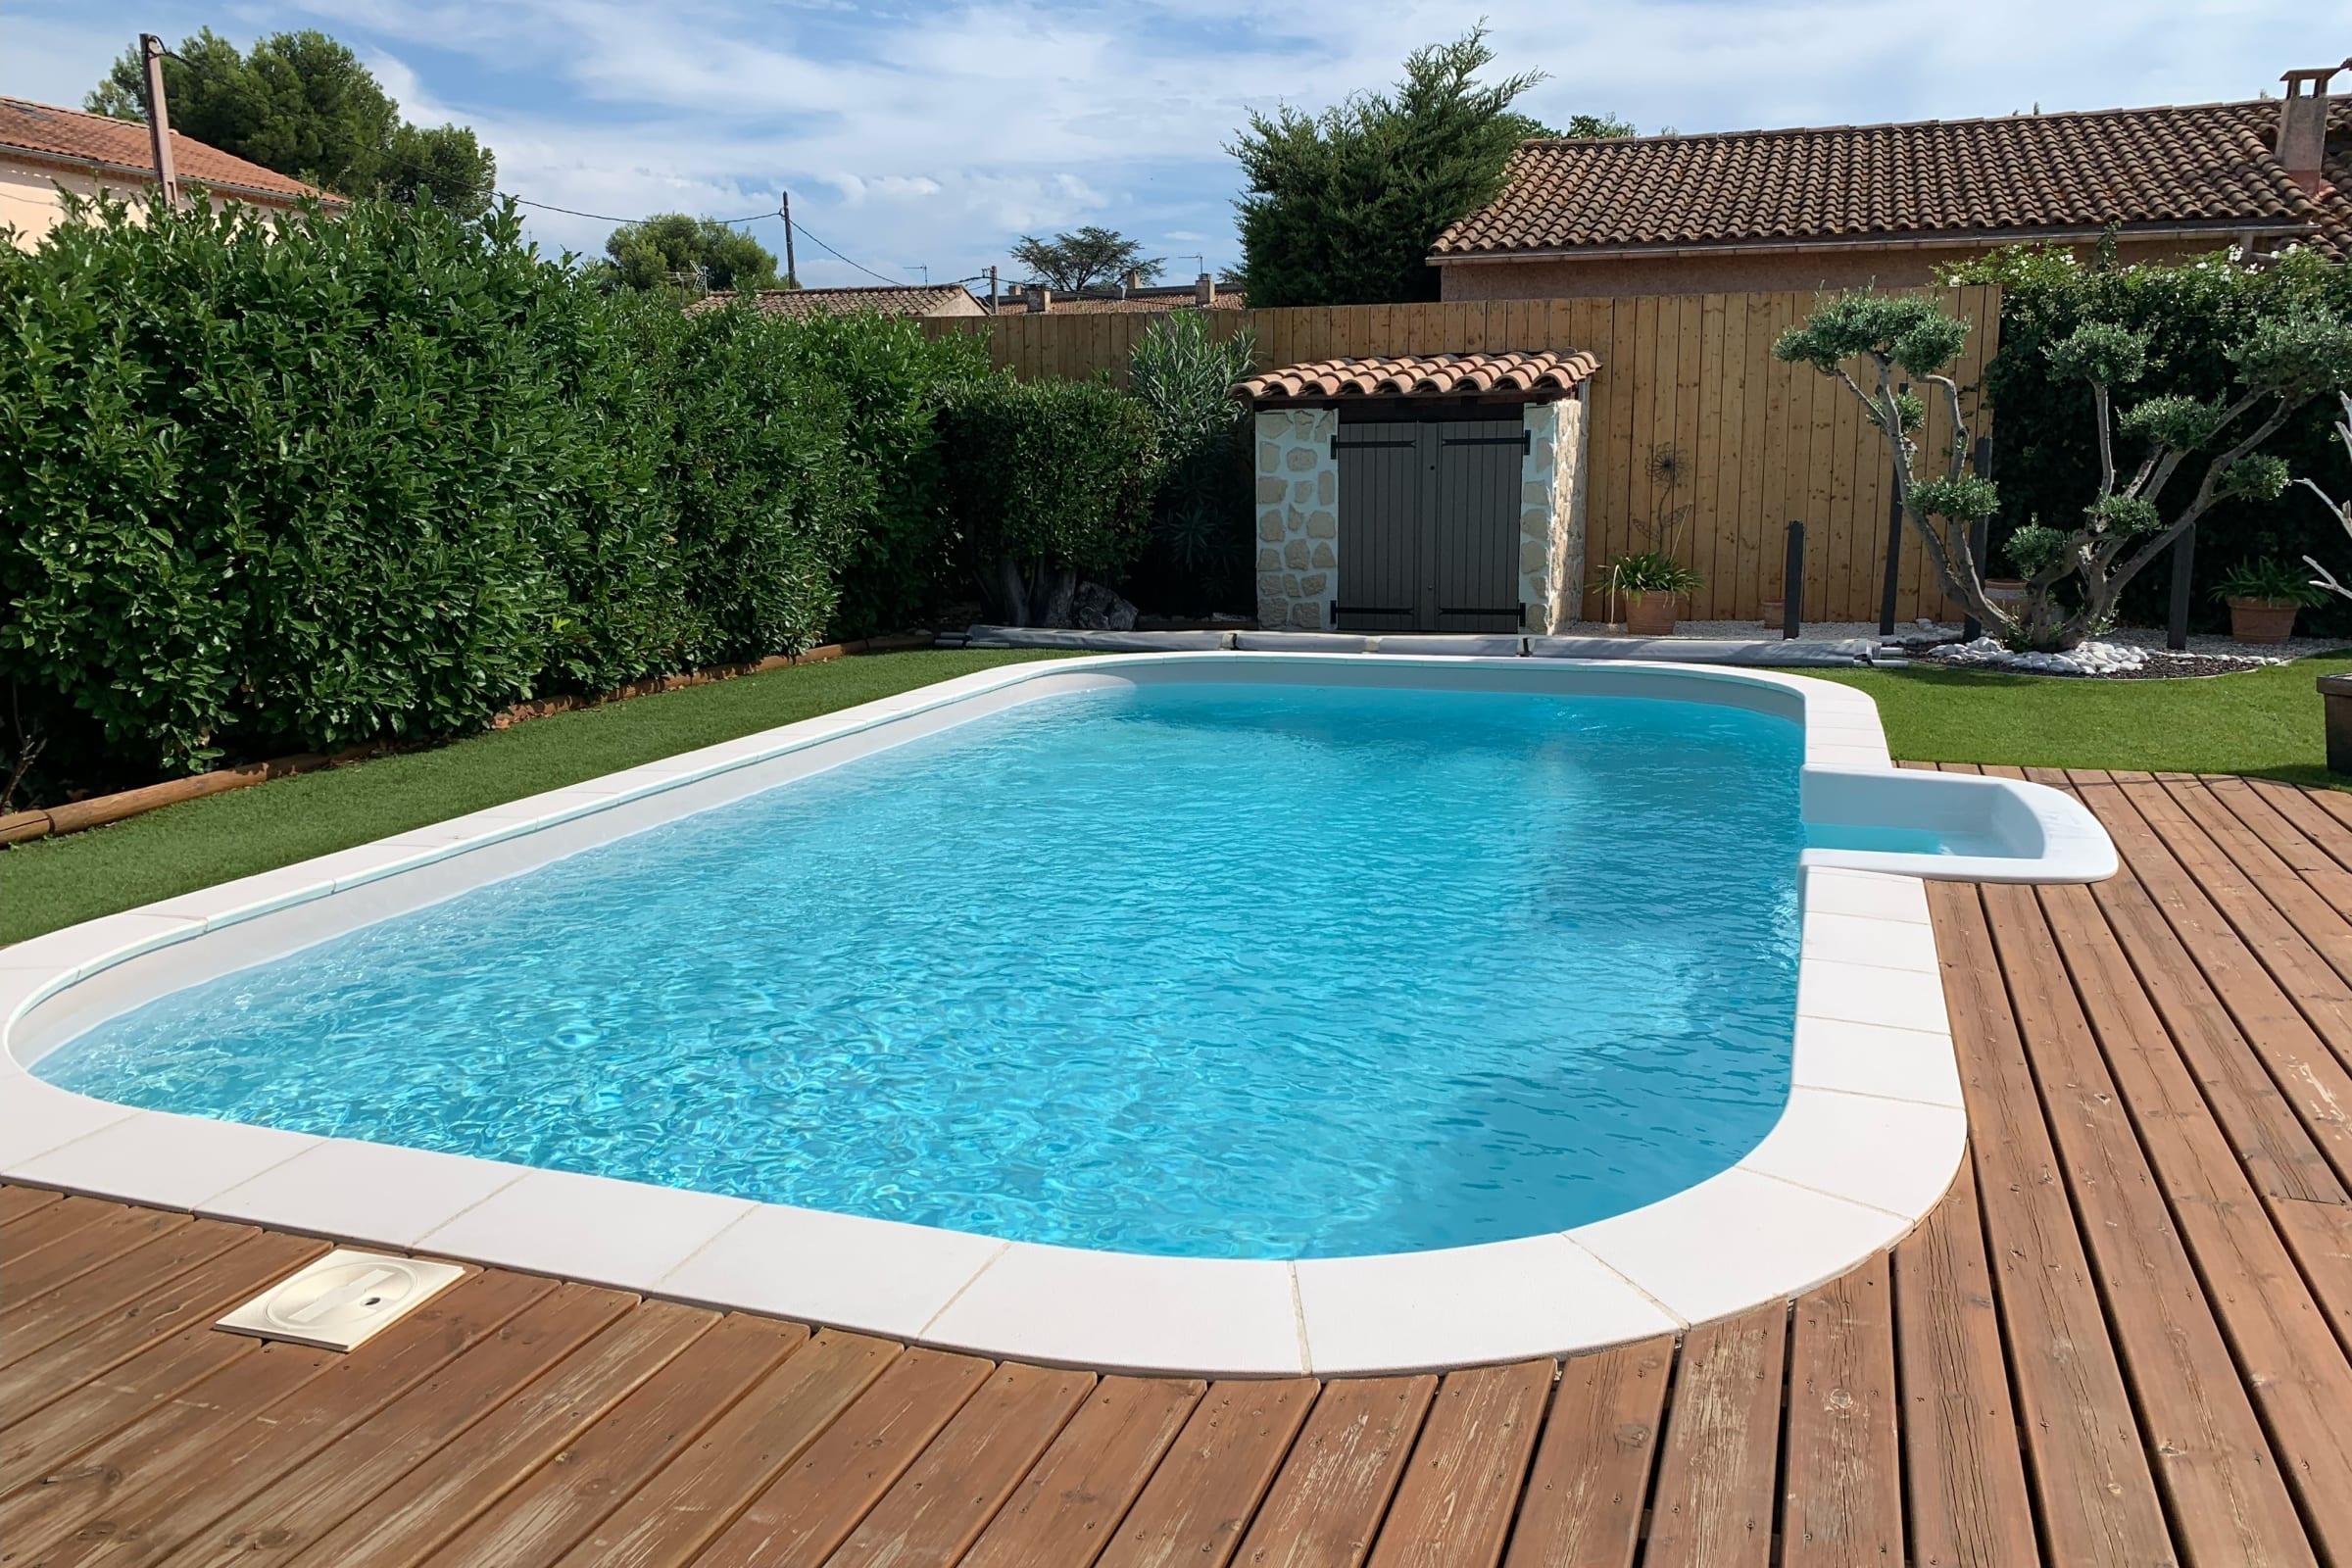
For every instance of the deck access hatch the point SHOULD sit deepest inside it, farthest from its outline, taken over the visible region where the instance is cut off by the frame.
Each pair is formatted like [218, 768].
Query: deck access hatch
[342, 1299]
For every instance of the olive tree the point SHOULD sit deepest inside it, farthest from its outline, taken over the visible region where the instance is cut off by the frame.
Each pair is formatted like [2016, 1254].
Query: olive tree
[2075, 574]
[2342, 508]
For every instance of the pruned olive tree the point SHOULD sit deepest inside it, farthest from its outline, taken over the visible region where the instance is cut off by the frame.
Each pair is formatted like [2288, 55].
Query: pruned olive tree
[2073, 574]
[2342, 508]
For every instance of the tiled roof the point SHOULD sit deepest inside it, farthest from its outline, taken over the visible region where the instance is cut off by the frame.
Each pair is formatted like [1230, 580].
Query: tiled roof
[890, 299]
[123, 145]
[2199, 165]
[1422, 376]
[1148, 303]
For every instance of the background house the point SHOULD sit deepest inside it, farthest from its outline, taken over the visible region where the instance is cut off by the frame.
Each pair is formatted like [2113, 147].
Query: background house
[890, 299]
[1848, 205]
[1129, 299]
[45, 150]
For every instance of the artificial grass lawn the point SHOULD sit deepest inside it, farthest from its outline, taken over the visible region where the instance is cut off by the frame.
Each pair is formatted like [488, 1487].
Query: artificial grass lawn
[47, 883]
[2266, 722]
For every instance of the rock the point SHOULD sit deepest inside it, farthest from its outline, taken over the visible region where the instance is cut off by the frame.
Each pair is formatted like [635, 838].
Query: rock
[1096, 608]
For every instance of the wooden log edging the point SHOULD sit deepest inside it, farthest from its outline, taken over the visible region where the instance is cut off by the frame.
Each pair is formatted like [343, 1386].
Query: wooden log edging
[19, 827]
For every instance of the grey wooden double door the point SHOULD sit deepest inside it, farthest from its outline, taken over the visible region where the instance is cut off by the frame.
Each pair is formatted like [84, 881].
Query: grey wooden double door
[1429, 525]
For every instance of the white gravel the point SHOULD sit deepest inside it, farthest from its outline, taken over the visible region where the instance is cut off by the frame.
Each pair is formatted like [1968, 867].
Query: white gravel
[2091, 658]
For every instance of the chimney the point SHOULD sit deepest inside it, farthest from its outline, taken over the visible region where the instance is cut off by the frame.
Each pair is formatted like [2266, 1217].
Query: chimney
[2303, 125]
[1205, 289]
[1132, 281]
[1041, 299]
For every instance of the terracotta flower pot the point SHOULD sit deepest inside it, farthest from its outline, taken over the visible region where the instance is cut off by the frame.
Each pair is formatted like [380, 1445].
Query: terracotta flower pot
[1776, 615]
[2004, 590]
[1651, 613]
[2262, 621]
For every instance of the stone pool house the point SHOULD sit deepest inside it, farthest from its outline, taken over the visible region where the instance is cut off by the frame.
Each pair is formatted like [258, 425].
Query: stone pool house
[1435, 493]
[1844, 206]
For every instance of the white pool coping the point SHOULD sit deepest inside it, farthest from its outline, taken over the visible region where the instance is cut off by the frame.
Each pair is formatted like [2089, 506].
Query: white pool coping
[1872, 1133]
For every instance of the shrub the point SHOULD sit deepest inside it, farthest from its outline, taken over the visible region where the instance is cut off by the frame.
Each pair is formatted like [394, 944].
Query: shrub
[889, 377]
[2191, 315]
[1198, 555]
[1047, 480]
[291, 484]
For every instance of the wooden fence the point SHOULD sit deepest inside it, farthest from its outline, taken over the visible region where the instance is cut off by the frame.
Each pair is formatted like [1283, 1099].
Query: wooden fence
[1755, 443]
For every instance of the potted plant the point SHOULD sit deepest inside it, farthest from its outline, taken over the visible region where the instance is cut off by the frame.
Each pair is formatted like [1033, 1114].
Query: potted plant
[2262, 595]
[1649, 581]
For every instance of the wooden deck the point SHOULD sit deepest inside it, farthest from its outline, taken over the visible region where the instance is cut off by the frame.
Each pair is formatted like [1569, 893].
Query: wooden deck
[2121, 1340]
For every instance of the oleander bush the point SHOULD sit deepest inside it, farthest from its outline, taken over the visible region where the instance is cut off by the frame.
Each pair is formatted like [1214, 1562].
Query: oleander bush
[279, 484]
[1047, 481]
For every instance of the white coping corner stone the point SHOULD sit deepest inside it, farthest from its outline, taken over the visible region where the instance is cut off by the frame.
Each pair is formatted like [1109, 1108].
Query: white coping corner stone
[1873, 1132]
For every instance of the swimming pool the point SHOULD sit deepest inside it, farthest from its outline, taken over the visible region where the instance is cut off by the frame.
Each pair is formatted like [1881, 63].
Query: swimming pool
[1191, 969]
[1264, 986]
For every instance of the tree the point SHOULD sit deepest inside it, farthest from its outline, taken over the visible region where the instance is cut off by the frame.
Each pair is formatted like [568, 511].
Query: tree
[2341, 509]
[1092, 255]
[1581, 128]
[2074, 574]
[1344, 205]
[302, 104]
[674, 250]
[1197, 556]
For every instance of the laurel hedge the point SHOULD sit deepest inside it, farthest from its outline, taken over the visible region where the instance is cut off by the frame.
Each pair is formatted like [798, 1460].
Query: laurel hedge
[275, 485]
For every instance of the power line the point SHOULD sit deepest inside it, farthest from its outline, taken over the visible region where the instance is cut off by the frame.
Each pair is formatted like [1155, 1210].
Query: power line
[798, 228]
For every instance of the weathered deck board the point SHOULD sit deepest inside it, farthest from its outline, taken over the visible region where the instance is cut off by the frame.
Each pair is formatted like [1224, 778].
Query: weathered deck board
[2125, 1336]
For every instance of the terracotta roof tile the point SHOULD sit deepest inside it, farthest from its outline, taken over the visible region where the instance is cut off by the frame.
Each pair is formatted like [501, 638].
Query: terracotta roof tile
[1422, 376]
[123, 145]
[2201, 166]
[939, 298]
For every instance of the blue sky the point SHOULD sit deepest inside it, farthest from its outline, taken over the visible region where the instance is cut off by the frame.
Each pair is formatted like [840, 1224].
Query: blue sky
[932, 136]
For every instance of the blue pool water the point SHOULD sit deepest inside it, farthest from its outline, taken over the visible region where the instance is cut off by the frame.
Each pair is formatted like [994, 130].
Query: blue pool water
[1208, 970]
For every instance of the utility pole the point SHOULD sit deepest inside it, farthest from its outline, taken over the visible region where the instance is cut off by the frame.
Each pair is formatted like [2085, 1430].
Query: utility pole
[992, 291]
[792, 268]
[159, 122]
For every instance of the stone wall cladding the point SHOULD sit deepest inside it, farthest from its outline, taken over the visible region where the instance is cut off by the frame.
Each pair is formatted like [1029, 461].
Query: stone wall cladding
[1552, 514]
[1298, 519]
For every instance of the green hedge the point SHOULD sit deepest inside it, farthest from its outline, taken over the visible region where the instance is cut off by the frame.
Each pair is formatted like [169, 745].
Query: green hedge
[2047, 461]
[1049, 481]
[274, 486]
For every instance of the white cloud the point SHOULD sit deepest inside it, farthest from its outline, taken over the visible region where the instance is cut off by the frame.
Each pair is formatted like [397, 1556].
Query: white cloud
[940, 133]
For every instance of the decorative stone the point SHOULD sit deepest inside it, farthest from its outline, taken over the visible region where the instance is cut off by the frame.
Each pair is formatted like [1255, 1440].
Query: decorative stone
[1294, 555]
[1299, 460]
[1290, 584]
[1322, 526]
[1327, 487]
[1268, 454]
[1308, 618]
[1530, 558]
[1535, 493]
[1269, 528]
[1324, 556]
[1269, 488]
[1269, 583]
[1312, 584]
[1303, 491]
[1269, 558]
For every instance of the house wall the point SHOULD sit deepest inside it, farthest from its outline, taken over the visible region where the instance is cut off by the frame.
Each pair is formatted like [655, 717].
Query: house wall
[1552, 512]
[1732, 272]
[1298, 519]
[31, 203]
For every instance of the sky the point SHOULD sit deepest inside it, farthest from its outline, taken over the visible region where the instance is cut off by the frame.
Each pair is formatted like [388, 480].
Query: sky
[923, 140]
